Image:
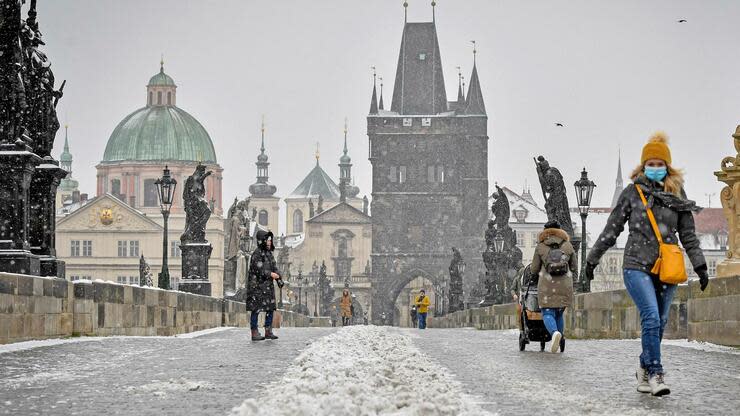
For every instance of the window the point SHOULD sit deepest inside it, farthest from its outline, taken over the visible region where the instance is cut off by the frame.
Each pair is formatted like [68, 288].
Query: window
[175, 249]
[422, 56]
[393, 175]
[426, 122]
[169, 97]
[151, 196]
[86, 248]
[712, 267]
[150, 98]
[115, 187]
[121, 248]
[534, 239]
[342, 248]
[401, 174]
[74, 248]
[297, 221]
[74, 278]
[407, 121]
[133, 280]
[159, 97]
[133, 248]
[262, 217]
[431, 178]
[122, 279]
[86, 277]
[440, 173]
[519, 239]
[435, 174]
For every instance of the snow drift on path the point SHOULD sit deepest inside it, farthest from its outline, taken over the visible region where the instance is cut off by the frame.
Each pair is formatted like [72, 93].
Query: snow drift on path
[362, 370]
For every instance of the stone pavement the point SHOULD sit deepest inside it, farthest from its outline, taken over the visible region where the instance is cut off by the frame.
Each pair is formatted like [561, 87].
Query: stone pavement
[146, 376]
[213, 373]
[595, 376]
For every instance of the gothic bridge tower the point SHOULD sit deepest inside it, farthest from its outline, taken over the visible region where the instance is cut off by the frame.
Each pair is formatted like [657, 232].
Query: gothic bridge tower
[429, 162]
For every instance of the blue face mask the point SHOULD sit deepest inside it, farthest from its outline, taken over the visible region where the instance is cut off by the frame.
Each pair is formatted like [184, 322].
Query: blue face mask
[656, 174]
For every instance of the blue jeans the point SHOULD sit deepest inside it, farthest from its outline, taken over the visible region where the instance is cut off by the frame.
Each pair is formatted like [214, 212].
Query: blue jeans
[654, 303]
[553, 319]
[422, 320]
[255, 315]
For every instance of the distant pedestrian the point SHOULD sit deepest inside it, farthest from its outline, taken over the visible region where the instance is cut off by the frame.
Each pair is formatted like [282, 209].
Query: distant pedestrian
[553, 263]
[422, 307]
[414, 316]
[656, 208]
[260, 288]
[346, 304]
[364, 318]
[334, 315]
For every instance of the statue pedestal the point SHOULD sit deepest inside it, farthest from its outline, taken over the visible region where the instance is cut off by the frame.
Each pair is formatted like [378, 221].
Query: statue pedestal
[729, 268]
[42, 215]
[730, 197]
[17, 165]
[195, 268]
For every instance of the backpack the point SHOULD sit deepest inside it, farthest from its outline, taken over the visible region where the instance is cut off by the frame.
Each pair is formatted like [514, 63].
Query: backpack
[556, 261]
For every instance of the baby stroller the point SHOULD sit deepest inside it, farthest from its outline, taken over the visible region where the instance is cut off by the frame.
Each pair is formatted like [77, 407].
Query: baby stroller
[531, 326]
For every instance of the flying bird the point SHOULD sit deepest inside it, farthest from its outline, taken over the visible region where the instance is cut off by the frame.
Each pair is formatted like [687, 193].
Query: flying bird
[682, 21]
[559, 124]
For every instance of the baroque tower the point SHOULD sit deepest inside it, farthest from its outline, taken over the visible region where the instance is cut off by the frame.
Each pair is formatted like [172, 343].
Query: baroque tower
[262, 193]
[429, 162]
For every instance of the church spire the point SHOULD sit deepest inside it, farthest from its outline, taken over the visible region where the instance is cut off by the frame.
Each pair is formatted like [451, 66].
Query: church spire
[374, 99]
[345, 172]
[66, 157]
[474, 103]
[381, 94]
[460, 95]
[262, 187]
[619, 183]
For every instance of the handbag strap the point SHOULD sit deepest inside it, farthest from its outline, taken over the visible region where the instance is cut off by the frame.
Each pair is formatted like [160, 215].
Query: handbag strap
[651, 217]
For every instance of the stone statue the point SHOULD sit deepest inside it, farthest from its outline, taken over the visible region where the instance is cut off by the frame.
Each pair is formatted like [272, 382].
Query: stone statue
[456, 269]
[729, 174]
[490, 235]
[238, 230]
[367, 268]
[42, 99]
[500, 208]
[310, 208]
[554, 192]
[196, 206]
[365, 203]
[13, 102]
[320, 207]
[232, 209]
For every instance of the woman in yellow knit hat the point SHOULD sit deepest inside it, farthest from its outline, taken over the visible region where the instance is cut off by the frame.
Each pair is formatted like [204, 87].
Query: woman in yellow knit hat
[657, 187]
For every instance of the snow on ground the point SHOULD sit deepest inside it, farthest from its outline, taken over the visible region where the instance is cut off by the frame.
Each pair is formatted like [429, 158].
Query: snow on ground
[363, 370]
[161, 388]
[27, 345]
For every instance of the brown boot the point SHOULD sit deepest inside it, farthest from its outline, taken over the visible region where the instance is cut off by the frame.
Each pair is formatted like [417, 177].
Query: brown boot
[269, 334]
[256, 336]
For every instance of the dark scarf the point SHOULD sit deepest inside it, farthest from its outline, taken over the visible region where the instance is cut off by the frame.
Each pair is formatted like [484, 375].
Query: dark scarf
[655, 191]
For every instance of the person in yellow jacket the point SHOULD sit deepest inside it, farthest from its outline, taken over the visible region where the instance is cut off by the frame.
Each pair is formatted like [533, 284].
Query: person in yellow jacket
[422, 307]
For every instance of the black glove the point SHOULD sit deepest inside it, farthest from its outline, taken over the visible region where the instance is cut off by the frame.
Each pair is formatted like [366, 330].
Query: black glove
[703, 276]
[590, 267]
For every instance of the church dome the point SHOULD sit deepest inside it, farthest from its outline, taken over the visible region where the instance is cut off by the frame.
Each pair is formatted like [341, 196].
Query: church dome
[161, 131]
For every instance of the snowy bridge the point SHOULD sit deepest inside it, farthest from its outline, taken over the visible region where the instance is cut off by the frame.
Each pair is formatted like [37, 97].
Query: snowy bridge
[355, 370]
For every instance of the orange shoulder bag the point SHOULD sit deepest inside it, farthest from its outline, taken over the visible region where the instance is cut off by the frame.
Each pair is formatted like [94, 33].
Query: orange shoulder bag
[670, 266]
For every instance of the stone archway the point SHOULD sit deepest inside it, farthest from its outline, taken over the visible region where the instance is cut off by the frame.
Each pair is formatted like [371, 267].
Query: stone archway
[357, 318]
[386, 308]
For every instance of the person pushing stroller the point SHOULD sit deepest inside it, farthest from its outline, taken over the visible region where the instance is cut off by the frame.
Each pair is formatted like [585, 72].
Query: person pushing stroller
[554, 260]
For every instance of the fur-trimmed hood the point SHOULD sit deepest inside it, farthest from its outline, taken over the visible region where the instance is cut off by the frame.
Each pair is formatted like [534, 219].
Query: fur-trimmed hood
[553, 234]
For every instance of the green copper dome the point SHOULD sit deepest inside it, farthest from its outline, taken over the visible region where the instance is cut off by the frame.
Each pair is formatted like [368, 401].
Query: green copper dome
[159, 133]
[161, 79]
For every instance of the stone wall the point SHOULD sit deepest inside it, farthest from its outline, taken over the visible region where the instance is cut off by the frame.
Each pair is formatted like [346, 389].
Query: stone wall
[36, 308]
[711, 316]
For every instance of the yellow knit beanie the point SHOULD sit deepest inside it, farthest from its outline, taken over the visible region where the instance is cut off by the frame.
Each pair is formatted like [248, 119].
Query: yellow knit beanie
[656, 148]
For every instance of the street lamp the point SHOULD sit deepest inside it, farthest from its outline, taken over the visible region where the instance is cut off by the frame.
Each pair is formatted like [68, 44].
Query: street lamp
[520, 213]
[722, 237]
[166, 190]
[299, 278]
[584, 192]
[498, 243]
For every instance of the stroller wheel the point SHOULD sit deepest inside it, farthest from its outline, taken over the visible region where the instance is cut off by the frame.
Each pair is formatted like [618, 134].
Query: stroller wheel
[522, 342]
[542, 345]
[562, 344]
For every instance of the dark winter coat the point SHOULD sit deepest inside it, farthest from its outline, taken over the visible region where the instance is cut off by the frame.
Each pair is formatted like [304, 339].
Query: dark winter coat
[641, 250]
[260, 287]
[553, 291]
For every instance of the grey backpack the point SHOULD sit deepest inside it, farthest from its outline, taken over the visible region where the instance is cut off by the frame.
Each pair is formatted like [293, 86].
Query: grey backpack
[556, 261]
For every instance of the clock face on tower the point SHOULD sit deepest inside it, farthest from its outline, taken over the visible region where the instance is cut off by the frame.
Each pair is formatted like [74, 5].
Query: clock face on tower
[106, 216]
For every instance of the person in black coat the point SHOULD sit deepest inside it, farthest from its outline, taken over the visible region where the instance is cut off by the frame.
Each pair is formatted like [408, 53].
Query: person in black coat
[260, 288]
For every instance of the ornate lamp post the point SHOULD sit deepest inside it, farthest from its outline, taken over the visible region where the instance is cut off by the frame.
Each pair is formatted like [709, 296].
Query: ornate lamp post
[498, 243]
[584, 192]
[722, 239]
[498, 246]
[299, 278]
[166, 190]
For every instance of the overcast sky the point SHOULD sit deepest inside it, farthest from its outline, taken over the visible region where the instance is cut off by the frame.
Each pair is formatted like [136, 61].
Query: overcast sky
[611, 71]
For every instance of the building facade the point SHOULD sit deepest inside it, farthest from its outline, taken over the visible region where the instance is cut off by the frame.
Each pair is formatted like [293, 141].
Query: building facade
[104, 238]
[429, 162]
